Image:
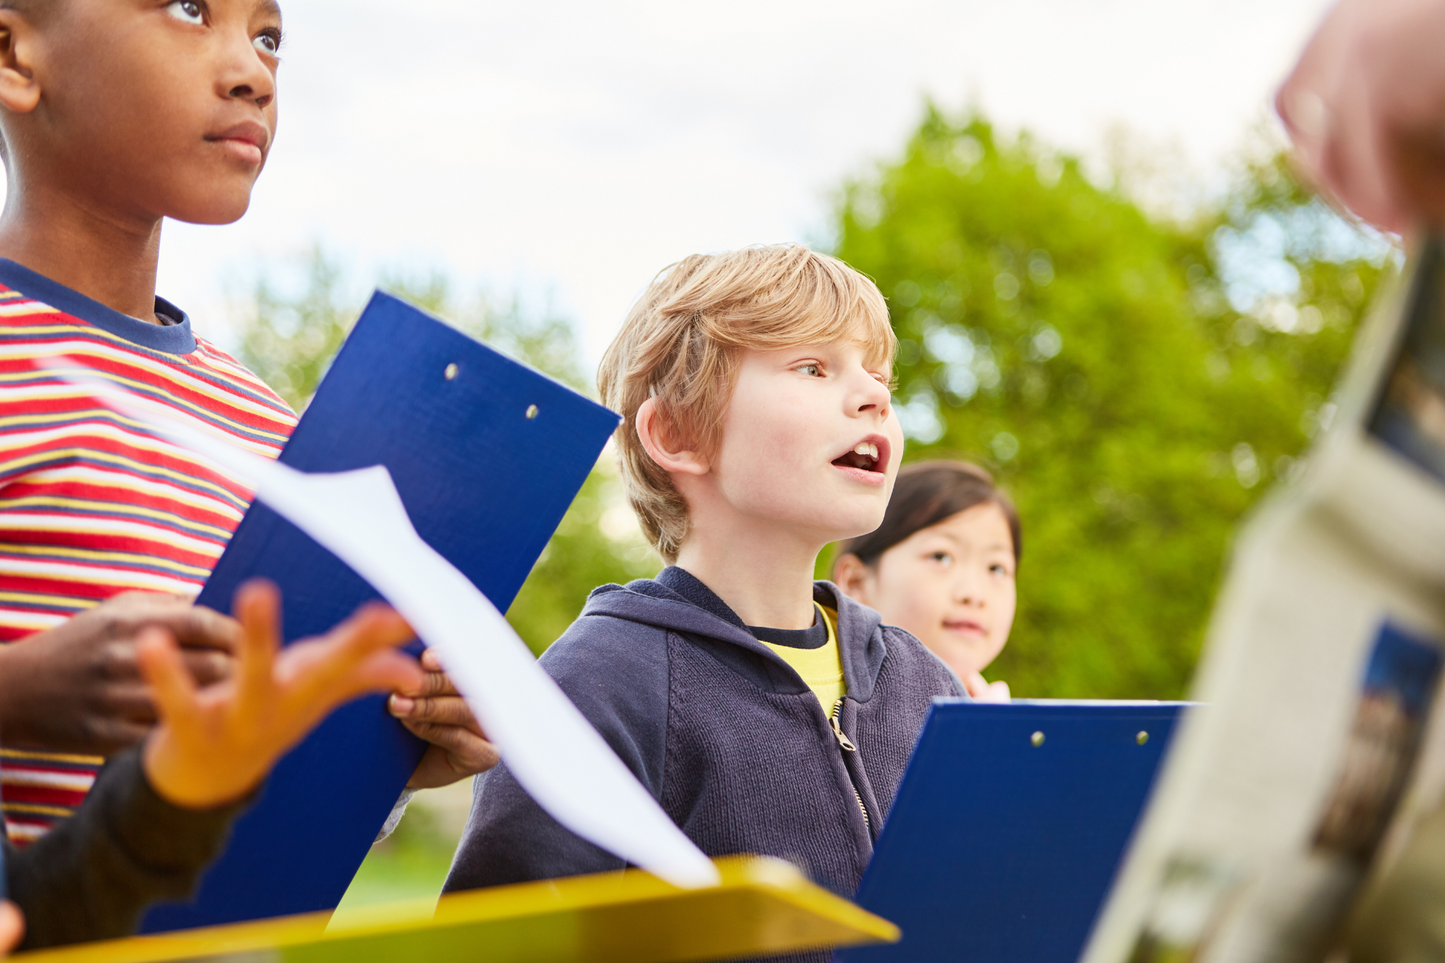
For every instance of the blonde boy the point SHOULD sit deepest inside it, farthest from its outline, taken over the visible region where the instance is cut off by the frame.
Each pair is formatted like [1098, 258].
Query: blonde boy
[768, 713]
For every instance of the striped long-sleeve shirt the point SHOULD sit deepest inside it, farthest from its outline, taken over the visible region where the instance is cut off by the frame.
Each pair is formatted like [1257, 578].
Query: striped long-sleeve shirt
[91, 503]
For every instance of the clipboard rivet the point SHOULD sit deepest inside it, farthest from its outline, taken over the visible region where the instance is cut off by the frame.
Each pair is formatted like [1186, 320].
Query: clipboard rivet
[1142, 737]
[1037, 738]
[451, 371]
[531, 412]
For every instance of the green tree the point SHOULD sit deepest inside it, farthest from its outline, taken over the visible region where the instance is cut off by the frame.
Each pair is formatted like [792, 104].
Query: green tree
[1134, 381]
[290, 339]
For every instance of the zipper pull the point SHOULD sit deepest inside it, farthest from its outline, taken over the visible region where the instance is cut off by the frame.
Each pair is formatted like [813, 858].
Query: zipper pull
[837, 727]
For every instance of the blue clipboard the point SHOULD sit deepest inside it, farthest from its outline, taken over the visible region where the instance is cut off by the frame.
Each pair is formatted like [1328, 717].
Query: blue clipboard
[487, 456]
[1008, 827]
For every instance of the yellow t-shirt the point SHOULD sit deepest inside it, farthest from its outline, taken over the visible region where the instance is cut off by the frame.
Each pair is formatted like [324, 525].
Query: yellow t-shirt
[821, 668]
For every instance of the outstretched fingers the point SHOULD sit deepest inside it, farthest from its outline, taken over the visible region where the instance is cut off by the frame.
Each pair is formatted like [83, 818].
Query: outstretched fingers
[354, 658]
[163, 669]
[257, 606]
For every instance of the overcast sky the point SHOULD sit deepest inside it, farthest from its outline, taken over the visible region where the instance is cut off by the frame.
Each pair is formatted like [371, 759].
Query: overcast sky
[569, 150]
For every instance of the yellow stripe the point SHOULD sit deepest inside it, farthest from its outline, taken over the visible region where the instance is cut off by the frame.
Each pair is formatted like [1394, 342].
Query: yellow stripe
[38, 436]
[229, 398]
[93, 554]
[111, 509]
[83, 554]
[121, 428]
[37, 809]
[39, 598]
[134, 485]
[52, 757]
[104, 418]
[119, 460]
[117, 579]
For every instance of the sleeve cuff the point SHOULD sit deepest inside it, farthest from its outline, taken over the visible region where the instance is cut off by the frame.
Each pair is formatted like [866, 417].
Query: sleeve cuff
[157, 832]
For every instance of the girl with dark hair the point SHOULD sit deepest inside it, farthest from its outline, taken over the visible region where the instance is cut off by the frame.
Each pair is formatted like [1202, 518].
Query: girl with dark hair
[942, 566]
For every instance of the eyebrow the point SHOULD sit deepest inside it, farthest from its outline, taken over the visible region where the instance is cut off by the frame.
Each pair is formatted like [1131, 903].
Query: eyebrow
[995, 547]
[269, 6]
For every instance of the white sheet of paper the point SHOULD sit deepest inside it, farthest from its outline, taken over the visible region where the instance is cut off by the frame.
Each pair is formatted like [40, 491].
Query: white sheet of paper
[545, 740]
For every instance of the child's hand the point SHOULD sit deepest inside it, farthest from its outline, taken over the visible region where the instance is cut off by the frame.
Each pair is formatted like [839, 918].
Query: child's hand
[77, 687]
[212, 746]
[436, 712]
[984, 691]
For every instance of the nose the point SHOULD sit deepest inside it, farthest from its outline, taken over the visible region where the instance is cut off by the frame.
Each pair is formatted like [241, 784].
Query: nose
[872, 395]
[245, 76]
[966, 590]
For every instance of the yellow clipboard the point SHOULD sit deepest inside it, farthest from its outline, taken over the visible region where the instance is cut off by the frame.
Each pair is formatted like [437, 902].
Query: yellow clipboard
[763, 906]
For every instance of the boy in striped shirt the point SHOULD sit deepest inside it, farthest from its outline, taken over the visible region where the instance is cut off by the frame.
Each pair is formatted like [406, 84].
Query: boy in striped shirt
[115, 114]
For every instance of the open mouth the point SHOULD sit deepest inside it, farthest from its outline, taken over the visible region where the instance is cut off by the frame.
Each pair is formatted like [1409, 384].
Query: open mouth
[865, 456]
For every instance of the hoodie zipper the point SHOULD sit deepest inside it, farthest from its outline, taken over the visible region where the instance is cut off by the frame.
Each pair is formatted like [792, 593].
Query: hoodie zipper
[846, 745]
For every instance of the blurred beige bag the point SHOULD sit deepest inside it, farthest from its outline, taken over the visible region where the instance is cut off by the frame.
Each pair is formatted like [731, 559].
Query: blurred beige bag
[1319, 749]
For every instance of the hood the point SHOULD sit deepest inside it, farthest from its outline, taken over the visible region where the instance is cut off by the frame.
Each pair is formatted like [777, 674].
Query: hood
[652, 602]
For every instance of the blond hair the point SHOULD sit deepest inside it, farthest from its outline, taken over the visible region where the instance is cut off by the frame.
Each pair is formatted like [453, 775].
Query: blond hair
[682, 340]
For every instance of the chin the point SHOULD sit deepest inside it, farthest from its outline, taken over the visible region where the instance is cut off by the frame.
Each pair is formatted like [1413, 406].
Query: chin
[225, 208]
[860, 522]
[229, 214]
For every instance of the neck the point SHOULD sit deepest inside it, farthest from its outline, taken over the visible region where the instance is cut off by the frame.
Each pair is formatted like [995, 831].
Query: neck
[107, 258]
[766, 577]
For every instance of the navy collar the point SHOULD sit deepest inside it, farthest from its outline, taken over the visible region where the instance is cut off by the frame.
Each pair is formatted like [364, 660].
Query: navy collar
[172, 338]
[693, 589]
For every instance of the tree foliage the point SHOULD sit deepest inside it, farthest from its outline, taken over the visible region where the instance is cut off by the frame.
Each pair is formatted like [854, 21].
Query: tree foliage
[1134, 382]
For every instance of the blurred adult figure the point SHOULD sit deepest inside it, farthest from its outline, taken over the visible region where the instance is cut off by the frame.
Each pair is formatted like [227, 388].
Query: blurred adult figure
[1365, 107]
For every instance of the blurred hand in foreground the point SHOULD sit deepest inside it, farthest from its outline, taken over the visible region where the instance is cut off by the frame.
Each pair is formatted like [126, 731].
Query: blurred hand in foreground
[436, 712]
[12, 927]
[77, 687]
[214, 745]
[1365, 107]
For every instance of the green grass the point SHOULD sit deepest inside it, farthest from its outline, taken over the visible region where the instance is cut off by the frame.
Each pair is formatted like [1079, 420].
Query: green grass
[409, 864]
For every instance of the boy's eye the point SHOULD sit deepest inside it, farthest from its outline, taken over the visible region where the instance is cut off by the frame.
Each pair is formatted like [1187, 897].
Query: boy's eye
[942, 558]
[268, 41]
[190, 11]
[998, 569]
[812, 369]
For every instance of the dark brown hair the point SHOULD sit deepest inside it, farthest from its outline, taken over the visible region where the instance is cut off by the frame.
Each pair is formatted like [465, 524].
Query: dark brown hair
[926, 493]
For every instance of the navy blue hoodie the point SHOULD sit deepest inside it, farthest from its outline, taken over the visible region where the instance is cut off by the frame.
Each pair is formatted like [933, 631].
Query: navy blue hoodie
[723, 732]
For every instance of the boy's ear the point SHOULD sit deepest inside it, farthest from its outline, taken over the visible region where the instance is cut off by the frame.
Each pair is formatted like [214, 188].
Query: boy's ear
[19, 86]
[658, 441]
[852, 576]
